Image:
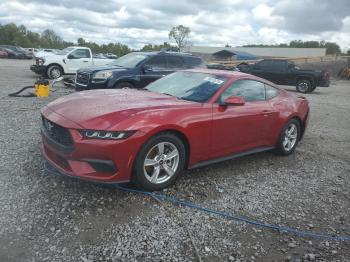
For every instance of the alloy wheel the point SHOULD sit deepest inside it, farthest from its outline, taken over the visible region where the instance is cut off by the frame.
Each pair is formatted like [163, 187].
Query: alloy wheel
[290, 137]
[161, 162]
[55, 73]
[303, 87]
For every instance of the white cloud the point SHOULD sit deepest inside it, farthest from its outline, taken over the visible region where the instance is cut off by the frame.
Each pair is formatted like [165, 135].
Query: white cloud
[212, 22]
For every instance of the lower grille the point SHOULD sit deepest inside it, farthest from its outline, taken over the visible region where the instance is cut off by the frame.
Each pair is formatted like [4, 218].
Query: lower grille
[83, 79]
[57, 133]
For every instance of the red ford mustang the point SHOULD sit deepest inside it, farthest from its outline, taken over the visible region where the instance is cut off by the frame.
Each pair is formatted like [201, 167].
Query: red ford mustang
[184, 120]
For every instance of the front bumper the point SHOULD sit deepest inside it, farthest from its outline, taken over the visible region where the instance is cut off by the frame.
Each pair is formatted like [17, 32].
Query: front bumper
[102, 161]
[90, 85]
[39, 69]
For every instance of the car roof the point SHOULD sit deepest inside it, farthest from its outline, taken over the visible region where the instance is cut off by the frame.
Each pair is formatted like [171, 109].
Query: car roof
[152, 53]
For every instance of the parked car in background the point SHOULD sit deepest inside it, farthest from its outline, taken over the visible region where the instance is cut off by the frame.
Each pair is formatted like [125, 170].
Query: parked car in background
[11, 53]
[111, 56]
[15, 52]
[284, 72]
[32, 51]
[135, 70]
[185, 120]
[3, 54]
[99, 55]
[19, 52]
[66, 61]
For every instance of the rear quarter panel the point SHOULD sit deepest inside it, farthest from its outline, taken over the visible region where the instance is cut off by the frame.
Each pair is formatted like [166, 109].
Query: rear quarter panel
[289, 106]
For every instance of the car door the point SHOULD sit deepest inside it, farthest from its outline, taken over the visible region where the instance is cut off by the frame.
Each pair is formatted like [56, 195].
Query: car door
[174, 63]
[153, 69]
[262, 69]
[278, 72]
[77, 59]
[240, 128]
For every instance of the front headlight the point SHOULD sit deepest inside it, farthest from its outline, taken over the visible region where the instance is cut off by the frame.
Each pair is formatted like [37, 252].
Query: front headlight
[102, 75]
[40, 61]
[107, 135]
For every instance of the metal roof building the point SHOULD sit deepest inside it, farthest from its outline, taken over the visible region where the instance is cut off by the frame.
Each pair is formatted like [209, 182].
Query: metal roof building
[260, 51]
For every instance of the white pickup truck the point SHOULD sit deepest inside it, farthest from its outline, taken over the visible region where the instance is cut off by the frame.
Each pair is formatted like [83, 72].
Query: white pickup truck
[66, 61]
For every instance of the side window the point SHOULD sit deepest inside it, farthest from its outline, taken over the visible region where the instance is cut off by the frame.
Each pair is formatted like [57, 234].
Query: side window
[279, 66]
[266, 64]
[271, 92]
[175, 62]
[81, 53]
[192, 62]
[157, 62]
[250, 90]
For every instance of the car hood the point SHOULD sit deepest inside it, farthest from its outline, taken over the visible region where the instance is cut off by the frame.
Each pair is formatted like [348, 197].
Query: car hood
[94, 69]
[49, 55]
[102, 109]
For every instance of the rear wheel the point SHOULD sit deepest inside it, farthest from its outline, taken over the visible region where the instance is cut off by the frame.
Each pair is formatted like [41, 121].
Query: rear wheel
[123, 85]
[312, 89]
[159, 162]
[304, 86]
[289, 138]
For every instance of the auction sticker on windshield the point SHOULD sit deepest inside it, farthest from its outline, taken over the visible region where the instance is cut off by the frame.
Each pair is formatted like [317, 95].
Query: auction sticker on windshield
[213, 80]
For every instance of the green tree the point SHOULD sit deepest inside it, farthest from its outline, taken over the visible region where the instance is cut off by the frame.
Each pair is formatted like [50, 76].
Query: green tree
[150, 47]
[332, 48]
[180, 35]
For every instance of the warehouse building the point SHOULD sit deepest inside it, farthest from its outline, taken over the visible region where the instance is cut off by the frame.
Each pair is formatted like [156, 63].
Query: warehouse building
[210, 53]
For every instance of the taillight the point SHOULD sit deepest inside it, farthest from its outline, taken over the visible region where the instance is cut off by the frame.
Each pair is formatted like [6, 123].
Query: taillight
[325, 74]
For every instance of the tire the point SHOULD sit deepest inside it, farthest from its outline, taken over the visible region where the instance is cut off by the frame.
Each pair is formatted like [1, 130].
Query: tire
[312, 89]
[124, 85]
[159, 172]
[304, 86]
[54, 71]
[286, 148]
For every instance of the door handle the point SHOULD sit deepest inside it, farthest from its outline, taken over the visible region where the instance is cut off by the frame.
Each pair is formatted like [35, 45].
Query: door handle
[267, 112]
[85, 61]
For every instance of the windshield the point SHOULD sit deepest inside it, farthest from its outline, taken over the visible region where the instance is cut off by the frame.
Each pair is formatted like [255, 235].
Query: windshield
[64, 51]
[129, 60]
[192, 86]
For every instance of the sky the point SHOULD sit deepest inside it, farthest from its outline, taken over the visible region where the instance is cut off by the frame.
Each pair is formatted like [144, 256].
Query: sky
[212, 23]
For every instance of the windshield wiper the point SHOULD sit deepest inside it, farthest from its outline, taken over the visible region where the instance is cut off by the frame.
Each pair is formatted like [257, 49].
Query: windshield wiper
[168, 94]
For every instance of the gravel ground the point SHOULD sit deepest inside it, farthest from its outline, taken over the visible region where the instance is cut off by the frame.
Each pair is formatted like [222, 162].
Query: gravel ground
[50, 218]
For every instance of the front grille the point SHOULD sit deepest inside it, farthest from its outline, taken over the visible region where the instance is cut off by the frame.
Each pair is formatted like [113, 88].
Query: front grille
[83, 78]
[57, 133]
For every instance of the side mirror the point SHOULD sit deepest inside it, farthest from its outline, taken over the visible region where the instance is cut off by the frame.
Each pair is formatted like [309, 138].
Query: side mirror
[234, 101]
[70, 56]
[146, 68]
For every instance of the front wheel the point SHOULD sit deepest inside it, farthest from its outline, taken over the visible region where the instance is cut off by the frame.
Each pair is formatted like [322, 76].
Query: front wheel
[54, 72]
[289, 138]
[159, 162]
[123, 85]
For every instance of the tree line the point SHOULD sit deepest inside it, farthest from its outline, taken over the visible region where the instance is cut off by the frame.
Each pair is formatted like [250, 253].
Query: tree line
[11, 34]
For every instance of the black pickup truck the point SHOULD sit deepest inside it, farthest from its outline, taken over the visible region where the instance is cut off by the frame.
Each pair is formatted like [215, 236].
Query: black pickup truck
[284, 72]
